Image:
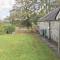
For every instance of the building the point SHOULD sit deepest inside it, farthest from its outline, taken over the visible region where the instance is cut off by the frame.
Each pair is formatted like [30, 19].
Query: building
[49, 26]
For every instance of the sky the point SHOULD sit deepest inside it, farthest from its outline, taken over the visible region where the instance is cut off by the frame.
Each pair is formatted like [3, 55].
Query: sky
[5, 7]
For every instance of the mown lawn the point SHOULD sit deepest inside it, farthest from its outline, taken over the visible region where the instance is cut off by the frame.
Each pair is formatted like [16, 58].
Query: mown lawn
[24, 47]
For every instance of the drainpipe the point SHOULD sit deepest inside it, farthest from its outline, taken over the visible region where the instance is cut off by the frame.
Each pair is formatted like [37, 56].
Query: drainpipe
[59, 40]
[49, 30]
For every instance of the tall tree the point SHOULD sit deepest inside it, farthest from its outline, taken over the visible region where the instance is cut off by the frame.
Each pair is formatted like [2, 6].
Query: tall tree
[32, 9]
[24, 8]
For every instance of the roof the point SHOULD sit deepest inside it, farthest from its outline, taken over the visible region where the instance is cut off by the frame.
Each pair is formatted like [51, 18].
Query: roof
[51, 16]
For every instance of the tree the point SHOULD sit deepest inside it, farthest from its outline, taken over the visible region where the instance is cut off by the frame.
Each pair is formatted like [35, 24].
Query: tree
[27, 23]
[24, 9]
[58, 2]
[30, 10]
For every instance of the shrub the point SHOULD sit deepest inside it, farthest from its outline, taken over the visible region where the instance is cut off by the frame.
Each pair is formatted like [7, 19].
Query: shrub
[9, 29]
[2, 26]
[6, 28]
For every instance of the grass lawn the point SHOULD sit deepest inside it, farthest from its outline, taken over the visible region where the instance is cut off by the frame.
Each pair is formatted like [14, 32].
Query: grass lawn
[24, 47]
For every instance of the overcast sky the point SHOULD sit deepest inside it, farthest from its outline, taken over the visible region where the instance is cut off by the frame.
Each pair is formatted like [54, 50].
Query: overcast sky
[5, 7]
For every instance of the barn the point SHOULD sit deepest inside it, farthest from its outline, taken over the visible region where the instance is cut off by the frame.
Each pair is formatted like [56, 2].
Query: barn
[49, 26]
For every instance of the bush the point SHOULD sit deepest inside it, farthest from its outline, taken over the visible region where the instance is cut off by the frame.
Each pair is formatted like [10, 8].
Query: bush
[9, 29]
[6, 28]
[2, 26]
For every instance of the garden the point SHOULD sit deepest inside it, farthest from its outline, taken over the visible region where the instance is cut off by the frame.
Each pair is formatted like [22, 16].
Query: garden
[24, 46]
[19, 38]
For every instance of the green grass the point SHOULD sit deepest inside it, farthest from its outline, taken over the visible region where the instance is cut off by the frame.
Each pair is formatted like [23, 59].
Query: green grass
[24, 47]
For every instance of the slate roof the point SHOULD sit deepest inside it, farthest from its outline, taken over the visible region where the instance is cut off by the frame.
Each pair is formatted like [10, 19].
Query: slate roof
[51, 16]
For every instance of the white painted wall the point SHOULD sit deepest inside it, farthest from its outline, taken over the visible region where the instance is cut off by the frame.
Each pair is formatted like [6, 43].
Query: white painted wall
[43, 25]
[55, 31]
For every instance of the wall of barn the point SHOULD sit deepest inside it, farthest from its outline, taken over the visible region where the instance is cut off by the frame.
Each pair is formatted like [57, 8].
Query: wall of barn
[54, 29]
[43, 26]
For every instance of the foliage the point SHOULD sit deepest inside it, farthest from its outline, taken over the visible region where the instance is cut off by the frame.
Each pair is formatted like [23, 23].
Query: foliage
[27, 8]
[27, 23]
[58, 2]
[34, 9]
[6, 28]
[2, 26]
[9, 29]
[42, 13]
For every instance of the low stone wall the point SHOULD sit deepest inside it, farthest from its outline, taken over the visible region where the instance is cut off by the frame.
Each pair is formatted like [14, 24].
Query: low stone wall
[19, 30]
